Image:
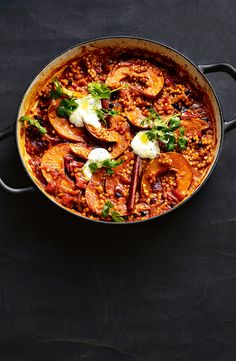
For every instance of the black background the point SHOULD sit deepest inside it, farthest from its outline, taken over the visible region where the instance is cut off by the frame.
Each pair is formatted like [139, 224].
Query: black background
[71, 290]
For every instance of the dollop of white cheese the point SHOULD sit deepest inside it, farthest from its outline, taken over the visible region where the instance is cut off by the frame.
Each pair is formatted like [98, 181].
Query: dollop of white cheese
[86, 112]
[76, 118]
[97, 155]
[144, 147]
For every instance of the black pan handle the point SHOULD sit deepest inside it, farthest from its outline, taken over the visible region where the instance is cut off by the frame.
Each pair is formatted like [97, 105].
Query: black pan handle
[226, 68]
[3, 135]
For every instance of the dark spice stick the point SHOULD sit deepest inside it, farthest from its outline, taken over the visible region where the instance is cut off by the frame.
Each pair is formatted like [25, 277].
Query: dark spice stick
[134, 183]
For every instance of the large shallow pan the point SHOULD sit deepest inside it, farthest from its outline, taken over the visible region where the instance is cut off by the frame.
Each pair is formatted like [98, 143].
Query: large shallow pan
[196, 74]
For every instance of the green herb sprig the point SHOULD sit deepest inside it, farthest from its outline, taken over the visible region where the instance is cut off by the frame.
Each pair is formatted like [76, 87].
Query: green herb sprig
[57, 92]
[33, 122]
[66, 107]
[182, 141]
[163, 130]
[107, 211]
[103, 113]
[101, 90]
[108, 164]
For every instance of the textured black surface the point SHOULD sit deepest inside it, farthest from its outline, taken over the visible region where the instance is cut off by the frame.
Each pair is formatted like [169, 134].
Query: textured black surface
[164, 290]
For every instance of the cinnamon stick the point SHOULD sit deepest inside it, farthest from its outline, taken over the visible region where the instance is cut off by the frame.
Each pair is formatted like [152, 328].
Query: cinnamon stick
[134, 183]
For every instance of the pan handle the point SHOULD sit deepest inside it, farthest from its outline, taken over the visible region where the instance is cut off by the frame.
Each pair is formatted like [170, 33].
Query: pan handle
[226, 68]
[3, 135]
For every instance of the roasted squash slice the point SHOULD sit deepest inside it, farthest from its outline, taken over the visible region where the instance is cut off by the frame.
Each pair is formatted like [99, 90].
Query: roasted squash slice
[174, 162]
[63, 127]
[82, 150]
[92, 193]
[136, 117]
[116, 185]
[52, 167]
[119, 134]
[193, 126]
[151, 77]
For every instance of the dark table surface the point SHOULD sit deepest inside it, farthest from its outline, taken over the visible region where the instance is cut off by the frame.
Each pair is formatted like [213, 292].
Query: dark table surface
[163, 290]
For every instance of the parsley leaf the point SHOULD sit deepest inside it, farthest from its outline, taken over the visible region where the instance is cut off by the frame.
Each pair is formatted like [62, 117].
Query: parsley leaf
[67, 107]
[57, 92]
[106, 209]
[34, 122]
[111, 163]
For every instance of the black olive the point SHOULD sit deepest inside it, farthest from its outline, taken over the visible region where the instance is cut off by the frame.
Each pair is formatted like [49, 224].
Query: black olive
[111, 105]
[38, 118]
[118, 195]
[144, 213]
[188, 91]
[183, 109]
[114, 95]
[177, 106]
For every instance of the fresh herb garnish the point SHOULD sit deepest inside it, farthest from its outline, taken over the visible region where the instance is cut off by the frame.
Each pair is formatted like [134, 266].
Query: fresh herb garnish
[103, 113]
[108, 164]
[163, 130]
[67, 107]
[101, 90]
[116, 217]
[93, 166]
[34, 122]
[151, 119]
[106, 211]
[57, 92]
[182, 141]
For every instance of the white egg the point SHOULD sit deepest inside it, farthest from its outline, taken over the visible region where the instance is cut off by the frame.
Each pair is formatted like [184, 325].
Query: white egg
[97, 155]
[86, 112]
[144, 147]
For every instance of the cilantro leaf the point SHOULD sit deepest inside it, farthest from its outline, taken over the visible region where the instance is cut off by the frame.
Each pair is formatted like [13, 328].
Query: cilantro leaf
[109, 164]
[164, 131]
[67, 107]
[99, 90]
[116, 217]
[93, 166]
[106, 212]
[103, 113]
[182, 141]
[106, 209]
[152, 119]
[57, 92]
[174, 123]
[33, 122]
